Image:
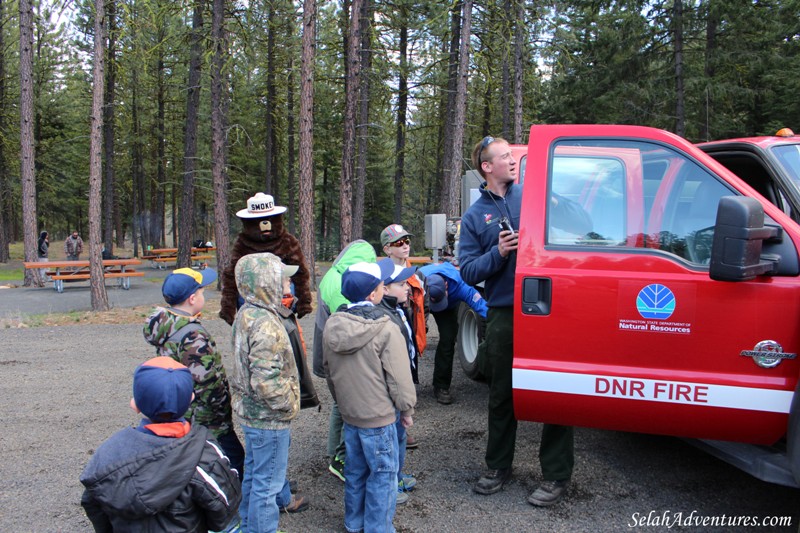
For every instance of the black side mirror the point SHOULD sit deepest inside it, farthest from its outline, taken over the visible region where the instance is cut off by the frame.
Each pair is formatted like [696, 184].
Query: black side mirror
[739, 235]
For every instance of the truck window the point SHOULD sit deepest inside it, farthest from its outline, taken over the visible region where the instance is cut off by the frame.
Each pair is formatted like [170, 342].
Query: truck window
[594, 185]
[637, 194]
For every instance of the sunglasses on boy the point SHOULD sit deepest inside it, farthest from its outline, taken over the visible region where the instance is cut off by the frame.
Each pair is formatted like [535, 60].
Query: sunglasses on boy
[400, 242]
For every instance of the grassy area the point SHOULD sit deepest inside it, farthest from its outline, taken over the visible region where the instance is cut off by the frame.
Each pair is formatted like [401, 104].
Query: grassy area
[11, 274]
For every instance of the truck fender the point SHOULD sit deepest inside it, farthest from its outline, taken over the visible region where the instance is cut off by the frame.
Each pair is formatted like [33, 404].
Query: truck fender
[471, 330]
[793, 436]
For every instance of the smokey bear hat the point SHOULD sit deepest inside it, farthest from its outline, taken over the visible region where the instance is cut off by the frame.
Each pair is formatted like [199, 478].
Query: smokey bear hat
[259, 206]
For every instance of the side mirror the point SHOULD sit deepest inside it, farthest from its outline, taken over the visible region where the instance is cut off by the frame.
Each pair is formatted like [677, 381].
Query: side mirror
[739, 235]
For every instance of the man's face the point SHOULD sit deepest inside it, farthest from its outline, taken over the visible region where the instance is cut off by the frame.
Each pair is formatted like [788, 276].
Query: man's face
[499, 163]
[74, 234]
[399, 249]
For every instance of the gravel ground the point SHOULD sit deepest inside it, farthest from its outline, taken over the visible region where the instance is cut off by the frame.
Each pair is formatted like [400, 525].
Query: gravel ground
[64, 390]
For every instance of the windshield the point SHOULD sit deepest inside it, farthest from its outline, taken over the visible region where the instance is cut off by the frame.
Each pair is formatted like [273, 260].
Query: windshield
[789, 157]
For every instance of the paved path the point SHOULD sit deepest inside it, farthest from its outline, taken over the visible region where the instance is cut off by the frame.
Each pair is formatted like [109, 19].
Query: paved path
[25, 301]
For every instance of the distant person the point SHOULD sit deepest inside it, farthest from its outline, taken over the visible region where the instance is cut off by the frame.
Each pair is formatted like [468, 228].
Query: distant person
[175, 330]
[330, 300]
[42, 251]
[73, 246]
[166, 474]
[266, 393]
[368, 374]
[446, 291]
[488, 252]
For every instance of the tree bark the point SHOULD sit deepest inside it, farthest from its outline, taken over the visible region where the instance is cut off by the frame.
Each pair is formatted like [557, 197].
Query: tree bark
[5, 193]
[291, 177]
[306, 155]
[450, 108]
[451, 194]
[97, 279]
[110, 206]
[27, 174]
[712, 22]
[159, 207]
[269, 125]
[680, 109]
[519, 68]
[362, 129]
[218, 125]
[402, 109]
[352, 78]
[190, 139]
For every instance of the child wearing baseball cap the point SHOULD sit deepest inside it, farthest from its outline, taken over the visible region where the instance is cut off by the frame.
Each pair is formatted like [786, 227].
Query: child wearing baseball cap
[175, 330]
[165, 474]
[368, 372]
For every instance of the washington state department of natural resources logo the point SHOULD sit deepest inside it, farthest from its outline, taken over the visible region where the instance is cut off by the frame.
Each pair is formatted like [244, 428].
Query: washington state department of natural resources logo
[655, 304]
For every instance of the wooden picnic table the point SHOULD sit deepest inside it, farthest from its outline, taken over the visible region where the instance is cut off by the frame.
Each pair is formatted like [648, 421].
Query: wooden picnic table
[79, 270]
[159, 256]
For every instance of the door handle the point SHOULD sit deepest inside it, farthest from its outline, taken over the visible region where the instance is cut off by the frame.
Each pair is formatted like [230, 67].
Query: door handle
[536, 296]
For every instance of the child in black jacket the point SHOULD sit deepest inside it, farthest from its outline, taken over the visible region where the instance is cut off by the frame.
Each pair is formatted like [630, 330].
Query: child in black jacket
[163, 475]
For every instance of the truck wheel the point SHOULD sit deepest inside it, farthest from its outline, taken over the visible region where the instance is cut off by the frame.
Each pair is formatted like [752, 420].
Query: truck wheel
[471, 327]
[793, 437]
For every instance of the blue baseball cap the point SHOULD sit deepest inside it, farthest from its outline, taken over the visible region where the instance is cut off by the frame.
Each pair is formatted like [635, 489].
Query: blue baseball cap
[437, 291]
[399, 274]
[360, 279]
[184, 282]
[162, 389]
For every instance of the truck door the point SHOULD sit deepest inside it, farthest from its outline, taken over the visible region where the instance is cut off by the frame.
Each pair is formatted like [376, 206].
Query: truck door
[621, 327]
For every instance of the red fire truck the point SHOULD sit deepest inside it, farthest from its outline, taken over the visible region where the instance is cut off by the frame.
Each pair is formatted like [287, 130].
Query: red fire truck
[679, 312]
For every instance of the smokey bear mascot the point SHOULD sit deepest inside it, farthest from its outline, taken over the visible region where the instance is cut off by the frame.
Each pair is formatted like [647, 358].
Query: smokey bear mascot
[263, 231]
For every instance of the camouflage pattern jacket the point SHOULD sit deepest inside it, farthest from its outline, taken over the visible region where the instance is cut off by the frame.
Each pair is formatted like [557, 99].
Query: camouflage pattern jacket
[266, 389]
[181, 337]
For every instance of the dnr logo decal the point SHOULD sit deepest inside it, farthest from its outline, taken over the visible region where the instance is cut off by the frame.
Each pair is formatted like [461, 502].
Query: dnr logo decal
[655, 302]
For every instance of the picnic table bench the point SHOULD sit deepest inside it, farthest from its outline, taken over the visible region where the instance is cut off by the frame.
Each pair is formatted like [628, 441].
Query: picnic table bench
[79, 270]
[158, 257]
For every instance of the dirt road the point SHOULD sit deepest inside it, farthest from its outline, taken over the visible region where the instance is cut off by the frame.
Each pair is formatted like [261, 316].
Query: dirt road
[66, 389]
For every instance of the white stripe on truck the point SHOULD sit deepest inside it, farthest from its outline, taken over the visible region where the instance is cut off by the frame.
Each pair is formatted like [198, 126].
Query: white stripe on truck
[654, 390]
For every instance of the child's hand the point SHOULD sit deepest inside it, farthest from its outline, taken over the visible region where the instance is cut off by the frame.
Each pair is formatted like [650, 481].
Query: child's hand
[407, 421]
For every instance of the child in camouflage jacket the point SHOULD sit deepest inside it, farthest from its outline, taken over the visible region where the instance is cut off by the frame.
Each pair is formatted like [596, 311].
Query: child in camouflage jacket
[266, 392]
[176, 332]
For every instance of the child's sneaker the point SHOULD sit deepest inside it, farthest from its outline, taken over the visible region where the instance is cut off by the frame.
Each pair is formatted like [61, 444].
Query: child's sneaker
[337, 468]
[406, 483]
[402, 497]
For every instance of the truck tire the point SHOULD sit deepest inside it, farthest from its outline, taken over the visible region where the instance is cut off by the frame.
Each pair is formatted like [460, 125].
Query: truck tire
[793, 436]
[471, 328]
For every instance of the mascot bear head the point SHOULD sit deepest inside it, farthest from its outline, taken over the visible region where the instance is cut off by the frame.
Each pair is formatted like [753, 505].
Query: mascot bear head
[262, 221]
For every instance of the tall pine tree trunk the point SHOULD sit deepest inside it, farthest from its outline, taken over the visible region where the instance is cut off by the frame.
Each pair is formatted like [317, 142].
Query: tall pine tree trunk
[712, 22]
[110, 205]
[291, 181]
[5, 193]
[402, 108]
[519, 72]
[218, 122]
[190, 139]
[353, 62]
[97, 279]
[450, 107]
[362, 130]
[269, 125]
[27, 174]
[680, 109]
[306, 155]
[451, 193]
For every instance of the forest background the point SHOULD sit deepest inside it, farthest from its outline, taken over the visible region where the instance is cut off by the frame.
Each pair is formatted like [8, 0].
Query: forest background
[354, 114]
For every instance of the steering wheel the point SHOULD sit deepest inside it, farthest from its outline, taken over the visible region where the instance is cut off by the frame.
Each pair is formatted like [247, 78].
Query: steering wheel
[698, 245]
